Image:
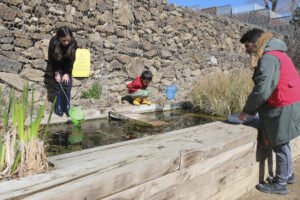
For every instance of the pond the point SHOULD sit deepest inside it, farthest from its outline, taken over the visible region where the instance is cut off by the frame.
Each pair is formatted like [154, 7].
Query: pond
[64, 138]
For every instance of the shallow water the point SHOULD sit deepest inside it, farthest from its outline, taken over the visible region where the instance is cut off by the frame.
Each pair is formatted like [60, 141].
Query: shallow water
[66, 138]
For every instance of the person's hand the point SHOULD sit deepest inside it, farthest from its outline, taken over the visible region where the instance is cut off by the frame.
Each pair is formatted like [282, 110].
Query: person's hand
[242, 116]
[57, 77]
[65, 78]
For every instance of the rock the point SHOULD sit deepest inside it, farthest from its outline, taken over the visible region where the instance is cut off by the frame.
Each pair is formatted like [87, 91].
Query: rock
[32, 52]
[187, 36]
[118, 88]
[168, 29]
[7, 47]
[23, 42]
[7, 13]
[135, 67]
[13, 80]
[166, 54]
[151, 54]
[106, 17]
[6, 40]
[212, 70]
[67, 24]
[13, 2]
[8, 65]
[114, 65]
[23, 35]
[146, 45]
[198, 58]
[107, 27]
[39, 64]
[94, 37]
[169, 73]
[122, 14]
[213, 60]
[3, 32]
[33, 74]
[56, 11]
[190, 25]
[40, 11]
[76, 82]
[150, 64]
[124, 59]
[92, 4]
[83, 6]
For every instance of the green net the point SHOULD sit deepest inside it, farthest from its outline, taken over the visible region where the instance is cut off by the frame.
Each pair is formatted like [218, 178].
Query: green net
[77, 116]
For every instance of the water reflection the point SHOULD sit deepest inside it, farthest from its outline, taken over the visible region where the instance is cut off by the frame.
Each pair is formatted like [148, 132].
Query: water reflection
[106, 131]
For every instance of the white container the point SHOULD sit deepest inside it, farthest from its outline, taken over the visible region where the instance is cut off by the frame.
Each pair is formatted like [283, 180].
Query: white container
[235, 118]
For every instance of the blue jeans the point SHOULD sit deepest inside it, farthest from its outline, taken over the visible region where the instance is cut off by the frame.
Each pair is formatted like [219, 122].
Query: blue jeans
[284, 164]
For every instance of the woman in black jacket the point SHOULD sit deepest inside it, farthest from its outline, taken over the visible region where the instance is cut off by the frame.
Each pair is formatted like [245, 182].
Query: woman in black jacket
[61, 56]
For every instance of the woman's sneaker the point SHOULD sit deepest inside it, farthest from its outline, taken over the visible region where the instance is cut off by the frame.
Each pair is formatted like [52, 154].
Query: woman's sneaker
[273, 188]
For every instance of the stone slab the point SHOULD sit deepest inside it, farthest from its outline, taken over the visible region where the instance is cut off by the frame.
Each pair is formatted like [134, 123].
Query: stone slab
[13, 80]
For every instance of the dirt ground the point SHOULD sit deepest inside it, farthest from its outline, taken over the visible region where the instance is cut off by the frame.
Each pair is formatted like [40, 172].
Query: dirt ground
[294, 189]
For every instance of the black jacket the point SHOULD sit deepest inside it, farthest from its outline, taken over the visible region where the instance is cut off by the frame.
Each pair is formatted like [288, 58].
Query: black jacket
[65, 66]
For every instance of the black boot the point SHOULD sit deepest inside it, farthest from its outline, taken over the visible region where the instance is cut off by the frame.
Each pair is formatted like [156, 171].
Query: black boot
[67, 103]
[58, 109]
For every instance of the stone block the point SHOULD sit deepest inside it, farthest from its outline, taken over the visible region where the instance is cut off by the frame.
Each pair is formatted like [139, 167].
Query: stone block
[32, 52]
[6, 47]
[4, 32]
[13, 80]
[33, 74]
[8, 65]
[23, 42]
[39, 64]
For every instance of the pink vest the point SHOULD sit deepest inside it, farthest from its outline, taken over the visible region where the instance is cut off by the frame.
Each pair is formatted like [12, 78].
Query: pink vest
[288, 88]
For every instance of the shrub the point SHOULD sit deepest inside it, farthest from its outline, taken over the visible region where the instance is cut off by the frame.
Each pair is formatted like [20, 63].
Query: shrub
[221, 94]
[94, 92]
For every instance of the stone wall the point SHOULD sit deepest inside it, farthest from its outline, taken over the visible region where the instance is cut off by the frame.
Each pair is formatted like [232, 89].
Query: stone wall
[177, 44]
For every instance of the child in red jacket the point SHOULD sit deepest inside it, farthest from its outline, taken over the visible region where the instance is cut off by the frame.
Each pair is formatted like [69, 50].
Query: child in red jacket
[138, 88]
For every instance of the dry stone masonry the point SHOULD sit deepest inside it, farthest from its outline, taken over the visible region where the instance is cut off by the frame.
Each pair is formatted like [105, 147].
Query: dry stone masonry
[125, 37]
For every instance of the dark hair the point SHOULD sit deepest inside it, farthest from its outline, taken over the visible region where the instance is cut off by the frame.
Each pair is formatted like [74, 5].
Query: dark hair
[146, 75]
[64, 31]
[251, 36]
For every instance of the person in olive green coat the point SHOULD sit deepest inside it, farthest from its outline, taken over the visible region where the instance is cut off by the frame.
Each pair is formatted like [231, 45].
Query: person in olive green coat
[279, 124]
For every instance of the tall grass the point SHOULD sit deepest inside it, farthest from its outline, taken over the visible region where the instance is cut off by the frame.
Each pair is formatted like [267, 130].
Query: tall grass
[221, 94]
[21, 150]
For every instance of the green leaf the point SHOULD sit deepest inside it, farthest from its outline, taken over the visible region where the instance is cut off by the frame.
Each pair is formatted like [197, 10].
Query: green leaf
[36, 124]
[15, 163]
[32, 104]
[7, 110]
[49, 118]
[2, 155]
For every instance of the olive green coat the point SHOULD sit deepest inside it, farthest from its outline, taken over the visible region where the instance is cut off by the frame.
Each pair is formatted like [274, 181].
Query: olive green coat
[279, 124]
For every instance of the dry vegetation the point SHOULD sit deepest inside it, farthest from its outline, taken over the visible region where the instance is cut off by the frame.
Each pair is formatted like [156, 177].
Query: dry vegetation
[221, 94]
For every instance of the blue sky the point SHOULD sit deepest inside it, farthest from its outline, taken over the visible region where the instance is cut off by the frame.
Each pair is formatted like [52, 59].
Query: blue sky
[208, 3]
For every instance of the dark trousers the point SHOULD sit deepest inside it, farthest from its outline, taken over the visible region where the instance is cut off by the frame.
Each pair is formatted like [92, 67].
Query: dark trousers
[284, 164]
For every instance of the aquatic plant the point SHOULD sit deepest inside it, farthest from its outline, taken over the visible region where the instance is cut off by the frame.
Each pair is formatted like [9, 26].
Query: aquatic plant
[222, 94]
[94, 92]
[21, 149]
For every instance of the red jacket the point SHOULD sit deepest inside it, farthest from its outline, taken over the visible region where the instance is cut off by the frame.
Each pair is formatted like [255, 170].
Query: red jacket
[288, 88]
[135, 85]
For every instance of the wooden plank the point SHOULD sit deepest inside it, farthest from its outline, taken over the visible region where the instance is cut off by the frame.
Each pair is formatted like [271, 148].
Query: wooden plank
[137, 118]
[216, 172]
[104, 171]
